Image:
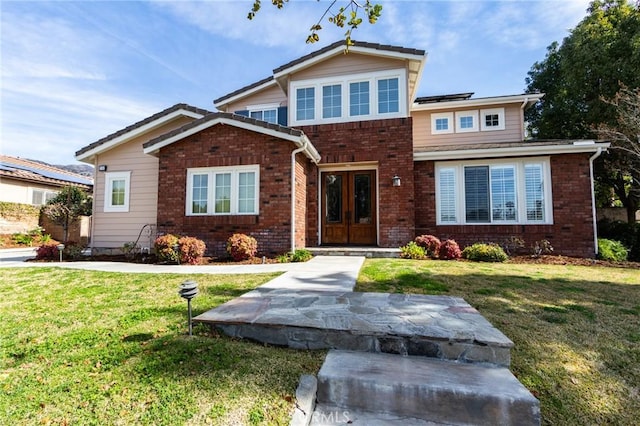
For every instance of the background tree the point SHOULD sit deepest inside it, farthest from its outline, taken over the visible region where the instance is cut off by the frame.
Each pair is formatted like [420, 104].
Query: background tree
[600, 56]
[348, 15]
[67, 207]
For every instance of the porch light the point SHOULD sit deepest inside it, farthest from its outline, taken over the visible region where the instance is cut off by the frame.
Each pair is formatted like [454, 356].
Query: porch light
[60, 247]
[396, 180]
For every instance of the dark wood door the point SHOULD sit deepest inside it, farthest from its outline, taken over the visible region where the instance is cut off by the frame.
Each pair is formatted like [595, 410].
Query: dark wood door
[348, 208]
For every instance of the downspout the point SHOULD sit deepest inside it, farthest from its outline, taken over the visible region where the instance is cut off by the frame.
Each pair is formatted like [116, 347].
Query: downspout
[593, 199]
[93, 204]
[293, 192]
[522, 107]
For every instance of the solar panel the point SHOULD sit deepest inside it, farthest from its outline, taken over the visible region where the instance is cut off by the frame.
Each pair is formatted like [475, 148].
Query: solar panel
[48, 173]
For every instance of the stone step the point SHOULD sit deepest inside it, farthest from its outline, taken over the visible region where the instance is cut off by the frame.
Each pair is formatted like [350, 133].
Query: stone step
[432, 390]
[330, 415]
[443, 327]
[369, 252]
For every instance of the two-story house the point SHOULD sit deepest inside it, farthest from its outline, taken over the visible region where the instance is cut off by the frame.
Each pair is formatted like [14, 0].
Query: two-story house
[337, 149]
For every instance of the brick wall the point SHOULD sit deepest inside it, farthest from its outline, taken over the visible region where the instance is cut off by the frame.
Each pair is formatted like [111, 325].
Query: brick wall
[570, 235]
[387, 142]
[223, 145]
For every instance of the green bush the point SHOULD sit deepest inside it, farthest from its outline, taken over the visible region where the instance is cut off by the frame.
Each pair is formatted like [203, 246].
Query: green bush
[167, 249]
[449, 250]
[191, 250]
[299, 255]
[413, 251]
[23, 239]
[73, 251]
[242, 247]
[627, 233]
[612, 250]
[430, 244]
[481, 252]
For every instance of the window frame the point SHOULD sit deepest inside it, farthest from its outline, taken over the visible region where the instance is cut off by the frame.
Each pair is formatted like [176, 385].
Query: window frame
[463, 114]
[262, 109]
[389, 91]
[234, 198]
[332, 96]
[344, 81]
[520, 184]
[46, 195]
[109, 178]
[439, 116]
[492, 111]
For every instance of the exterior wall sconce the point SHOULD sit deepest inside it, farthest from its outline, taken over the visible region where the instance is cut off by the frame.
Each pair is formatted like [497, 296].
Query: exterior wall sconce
[396, 180]
[102, 168]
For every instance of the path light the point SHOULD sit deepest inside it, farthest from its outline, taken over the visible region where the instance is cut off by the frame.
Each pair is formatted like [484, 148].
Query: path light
[60, 247]
[188, 290]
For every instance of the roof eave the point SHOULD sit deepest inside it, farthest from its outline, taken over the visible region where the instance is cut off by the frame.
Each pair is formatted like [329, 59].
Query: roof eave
[520, 151]
[530, 98]
[220, 106]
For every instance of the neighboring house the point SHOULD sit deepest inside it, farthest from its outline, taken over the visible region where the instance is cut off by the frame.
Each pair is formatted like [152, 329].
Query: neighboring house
[31, 182]
[336, 149]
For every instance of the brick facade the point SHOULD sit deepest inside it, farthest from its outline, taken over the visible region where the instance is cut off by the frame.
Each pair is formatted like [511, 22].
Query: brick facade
[570, 235]
[389, 143]
[223, 145]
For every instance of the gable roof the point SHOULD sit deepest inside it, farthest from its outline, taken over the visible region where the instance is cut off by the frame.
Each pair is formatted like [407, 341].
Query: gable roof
[34, 171]
[416, 58]
[85, 154]
[286, 133]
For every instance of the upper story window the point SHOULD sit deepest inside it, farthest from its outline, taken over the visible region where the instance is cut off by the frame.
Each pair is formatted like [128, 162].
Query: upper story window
[223, 190]
[116, 197]
[442, 123]
[492, 119]
[331, 101]
[466, 121]
[305, 104]
[268, 115]
[367, 96]
[494, 192]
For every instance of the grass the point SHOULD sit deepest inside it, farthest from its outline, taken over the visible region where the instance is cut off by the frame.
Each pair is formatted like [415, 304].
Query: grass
[576, 329]
[94, 348]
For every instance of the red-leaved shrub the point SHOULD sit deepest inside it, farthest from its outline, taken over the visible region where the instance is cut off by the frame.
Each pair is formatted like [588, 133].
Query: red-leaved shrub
[165, 247]
[48, 251]
[430, 244]
[191, 250]
[242, 247]
[449, 250]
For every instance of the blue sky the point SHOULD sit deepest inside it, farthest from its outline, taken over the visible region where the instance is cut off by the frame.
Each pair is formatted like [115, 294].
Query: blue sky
[74, 72]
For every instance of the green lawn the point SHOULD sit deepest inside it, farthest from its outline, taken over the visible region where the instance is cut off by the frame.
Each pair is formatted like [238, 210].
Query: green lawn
[576, 329]
[95, 348]
[81, 347]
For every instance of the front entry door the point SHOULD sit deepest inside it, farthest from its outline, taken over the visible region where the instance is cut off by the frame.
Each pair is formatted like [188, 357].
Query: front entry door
[348, 207]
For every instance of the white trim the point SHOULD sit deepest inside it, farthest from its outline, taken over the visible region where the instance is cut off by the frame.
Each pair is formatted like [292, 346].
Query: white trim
[462, 114]
[211, 172]
[519, 151]
[344, 82]
[244, 94]
[519, 181]
[439, 116]
[531, 98]
[109, 177]
[492, 111]
[137, 132]
[262, 107]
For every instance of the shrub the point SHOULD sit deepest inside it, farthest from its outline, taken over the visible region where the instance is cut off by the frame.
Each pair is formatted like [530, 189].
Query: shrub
[612, 250]
[512, 245]
[242, 247]
[412, 251]
[23, 239]
[166, 247]
[72, 251]
[627, 233]
[481, 252]
[48, 251]
[430, 244]
[541, 247]
[298, 255]
[449, 250]
[191, 250]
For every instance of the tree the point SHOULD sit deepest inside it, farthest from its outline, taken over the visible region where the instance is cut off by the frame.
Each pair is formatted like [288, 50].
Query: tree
[593, 63]
[348, 15]
[67, 207]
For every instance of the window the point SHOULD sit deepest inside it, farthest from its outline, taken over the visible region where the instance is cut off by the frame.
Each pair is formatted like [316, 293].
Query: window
[40, 197]
[222, 190]
[331, 101]
[359, 98]
[388, 96]
[116, 197]
[466, 121]
[305, 103]
[493, 192]
[492, 119]
[441, 123]
[268, 115]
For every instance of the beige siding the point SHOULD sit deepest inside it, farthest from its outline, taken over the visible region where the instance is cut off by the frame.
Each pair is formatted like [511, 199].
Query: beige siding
[15, 191]
[512, 133]
[113, 229]
[272, 95]
[352, 63]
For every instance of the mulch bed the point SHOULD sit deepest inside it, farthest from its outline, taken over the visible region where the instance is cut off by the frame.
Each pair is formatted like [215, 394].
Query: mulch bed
[577, 261]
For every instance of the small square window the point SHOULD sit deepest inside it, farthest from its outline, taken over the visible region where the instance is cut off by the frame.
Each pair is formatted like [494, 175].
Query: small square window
[442, 123]
[492, 119]
[466, 121]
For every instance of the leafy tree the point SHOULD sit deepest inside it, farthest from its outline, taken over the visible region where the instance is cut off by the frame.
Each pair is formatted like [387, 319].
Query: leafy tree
[599, 57]
[348, 15]
[67, 207]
